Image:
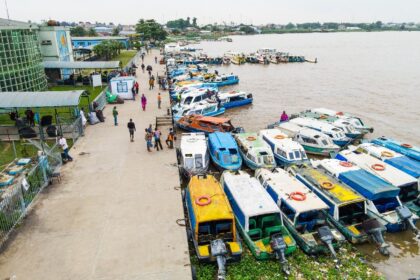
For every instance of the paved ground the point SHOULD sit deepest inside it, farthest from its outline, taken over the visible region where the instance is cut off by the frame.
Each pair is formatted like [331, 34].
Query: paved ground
[113, 215]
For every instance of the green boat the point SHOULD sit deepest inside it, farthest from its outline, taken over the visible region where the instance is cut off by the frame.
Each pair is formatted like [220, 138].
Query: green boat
[258, 218]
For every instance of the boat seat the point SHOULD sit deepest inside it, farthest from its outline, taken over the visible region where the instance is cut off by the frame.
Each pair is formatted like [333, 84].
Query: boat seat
[205, 229]
[268, 221]
[381, 208]
[252, 224]
[391, 206]
[306, 225]
[272, 230]
[255, 233]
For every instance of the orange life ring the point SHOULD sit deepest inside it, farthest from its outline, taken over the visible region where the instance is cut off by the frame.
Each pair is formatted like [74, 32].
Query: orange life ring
[387, 154]
[407, 145]
[327, 185]
[206, 198]
[298, 196]
[339, 113]
[346, 164]
[378, 167]
[279, 136]
[251, 138]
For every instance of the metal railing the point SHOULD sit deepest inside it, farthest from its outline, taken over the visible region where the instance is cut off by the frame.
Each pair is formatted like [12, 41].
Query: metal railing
[17, 199]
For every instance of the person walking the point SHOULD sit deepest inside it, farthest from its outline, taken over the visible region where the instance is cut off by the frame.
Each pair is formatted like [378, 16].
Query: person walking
[148, 137]
[143, 102]
[159, 100]
[170, 139]
[131, 128]
[157, 134]
[151, 82]
[142, 67]
[136, 86]
[142, 57]
[115, 114]
[155, 59]
[63, 144]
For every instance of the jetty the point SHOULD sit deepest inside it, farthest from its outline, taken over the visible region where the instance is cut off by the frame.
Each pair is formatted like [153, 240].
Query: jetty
[114, 213]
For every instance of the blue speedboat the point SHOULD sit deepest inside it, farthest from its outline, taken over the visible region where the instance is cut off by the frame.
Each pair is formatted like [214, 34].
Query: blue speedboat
[405, 149]
[204, 108]
[224, 151]
[383, 203]
[225, 80]
[400, 161]
[233, 99]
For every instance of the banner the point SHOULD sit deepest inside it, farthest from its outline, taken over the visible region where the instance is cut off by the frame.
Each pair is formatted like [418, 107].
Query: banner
[96, 80]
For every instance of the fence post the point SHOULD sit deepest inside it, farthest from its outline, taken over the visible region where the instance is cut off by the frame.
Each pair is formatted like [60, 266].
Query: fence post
[21, 199]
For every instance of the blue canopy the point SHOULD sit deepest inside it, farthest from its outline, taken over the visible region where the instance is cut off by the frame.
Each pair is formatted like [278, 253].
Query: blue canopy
[368, 185]
[413, 152]
[222, 140]
[406, 164]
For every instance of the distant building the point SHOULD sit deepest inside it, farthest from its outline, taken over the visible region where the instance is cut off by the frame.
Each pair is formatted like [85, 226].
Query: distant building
[353, 28]
[20, 57]
[86, 42]
[104, 30]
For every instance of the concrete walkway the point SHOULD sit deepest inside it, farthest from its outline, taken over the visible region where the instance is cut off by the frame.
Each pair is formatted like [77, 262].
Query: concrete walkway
[113, 215]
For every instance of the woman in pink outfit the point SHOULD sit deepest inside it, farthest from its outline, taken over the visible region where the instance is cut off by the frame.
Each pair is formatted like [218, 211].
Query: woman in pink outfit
[143, 102]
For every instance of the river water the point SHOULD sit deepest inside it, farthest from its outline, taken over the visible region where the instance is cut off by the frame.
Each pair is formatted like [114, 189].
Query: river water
[375, 76]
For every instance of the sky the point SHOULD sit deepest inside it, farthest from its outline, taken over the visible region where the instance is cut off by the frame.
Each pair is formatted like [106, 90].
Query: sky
[245, 11]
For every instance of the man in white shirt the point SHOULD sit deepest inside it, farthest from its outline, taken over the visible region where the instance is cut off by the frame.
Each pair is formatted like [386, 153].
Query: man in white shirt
[63, 144]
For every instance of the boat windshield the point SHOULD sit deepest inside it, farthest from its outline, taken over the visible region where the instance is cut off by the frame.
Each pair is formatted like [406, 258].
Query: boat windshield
[198, 161]
[188, 100]
[386, 204]
[188, 161]
[234, 155]
[304, 156]
[309, 221]
[209, 231]
[351, 214]
[297, 154]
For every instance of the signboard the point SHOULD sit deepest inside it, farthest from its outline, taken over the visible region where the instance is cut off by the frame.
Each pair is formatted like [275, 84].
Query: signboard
[96, 80]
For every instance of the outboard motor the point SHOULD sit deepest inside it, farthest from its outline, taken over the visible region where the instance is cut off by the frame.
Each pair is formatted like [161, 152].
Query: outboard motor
[218, 250]
[327, 237]
[375, 229]
[279, 246]
[406, 216]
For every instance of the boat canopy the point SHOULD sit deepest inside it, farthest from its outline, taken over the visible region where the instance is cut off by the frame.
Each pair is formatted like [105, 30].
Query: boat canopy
[365, 183]
[249, 195]
[283, 184]
[390, 174]
[219, 207]
[193, 143]
[222, 140]
[406, 164]
[251, 140]
[338, 192]
[413, 152]
[319, 125]
[213, 120]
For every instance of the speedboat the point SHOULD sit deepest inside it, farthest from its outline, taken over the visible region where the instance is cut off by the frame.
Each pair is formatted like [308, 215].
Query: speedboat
[224, 80]
[347, 209]
[402, 148]
[212, 223]
[304, 213]
[224, 151]
[336, 134]
[313, 141]
[285, 150]
[255, 152]
[193, 96]
[234, 98]
[408, 185]
[383, 203]
[353, 120]
[400, 161]
[342, 123]
[193, 156]
[235, 57]
[204, 108]
[199, 123]
[258, 218]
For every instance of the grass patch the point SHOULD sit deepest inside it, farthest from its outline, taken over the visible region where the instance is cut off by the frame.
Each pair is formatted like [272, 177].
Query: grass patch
[302, 267]
[125, 57]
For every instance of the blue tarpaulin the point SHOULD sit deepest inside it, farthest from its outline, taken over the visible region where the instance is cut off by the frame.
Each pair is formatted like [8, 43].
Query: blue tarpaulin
[406, 164]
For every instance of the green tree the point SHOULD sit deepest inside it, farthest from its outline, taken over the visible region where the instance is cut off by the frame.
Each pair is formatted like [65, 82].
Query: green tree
[194, 21]
[78, 31]
[115, 31]
[108, 49]
[290, 26]
[247, 29]
[378, 24]
[92, 32]
[150, 30]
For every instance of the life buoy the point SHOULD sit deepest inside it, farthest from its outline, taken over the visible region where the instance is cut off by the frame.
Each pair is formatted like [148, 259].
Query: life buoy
[339, 113]
[251, 138]
[298, 196]
[346, 164]
[327, 185]
[387, 154]
[378, 167]
[323, 117]
[405, 145]
[199, 201]
[279, 136]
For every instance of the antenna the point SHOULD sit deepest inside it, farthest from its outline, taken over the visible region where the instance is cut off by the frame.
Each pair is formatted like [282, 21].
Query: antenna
[7, 10]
